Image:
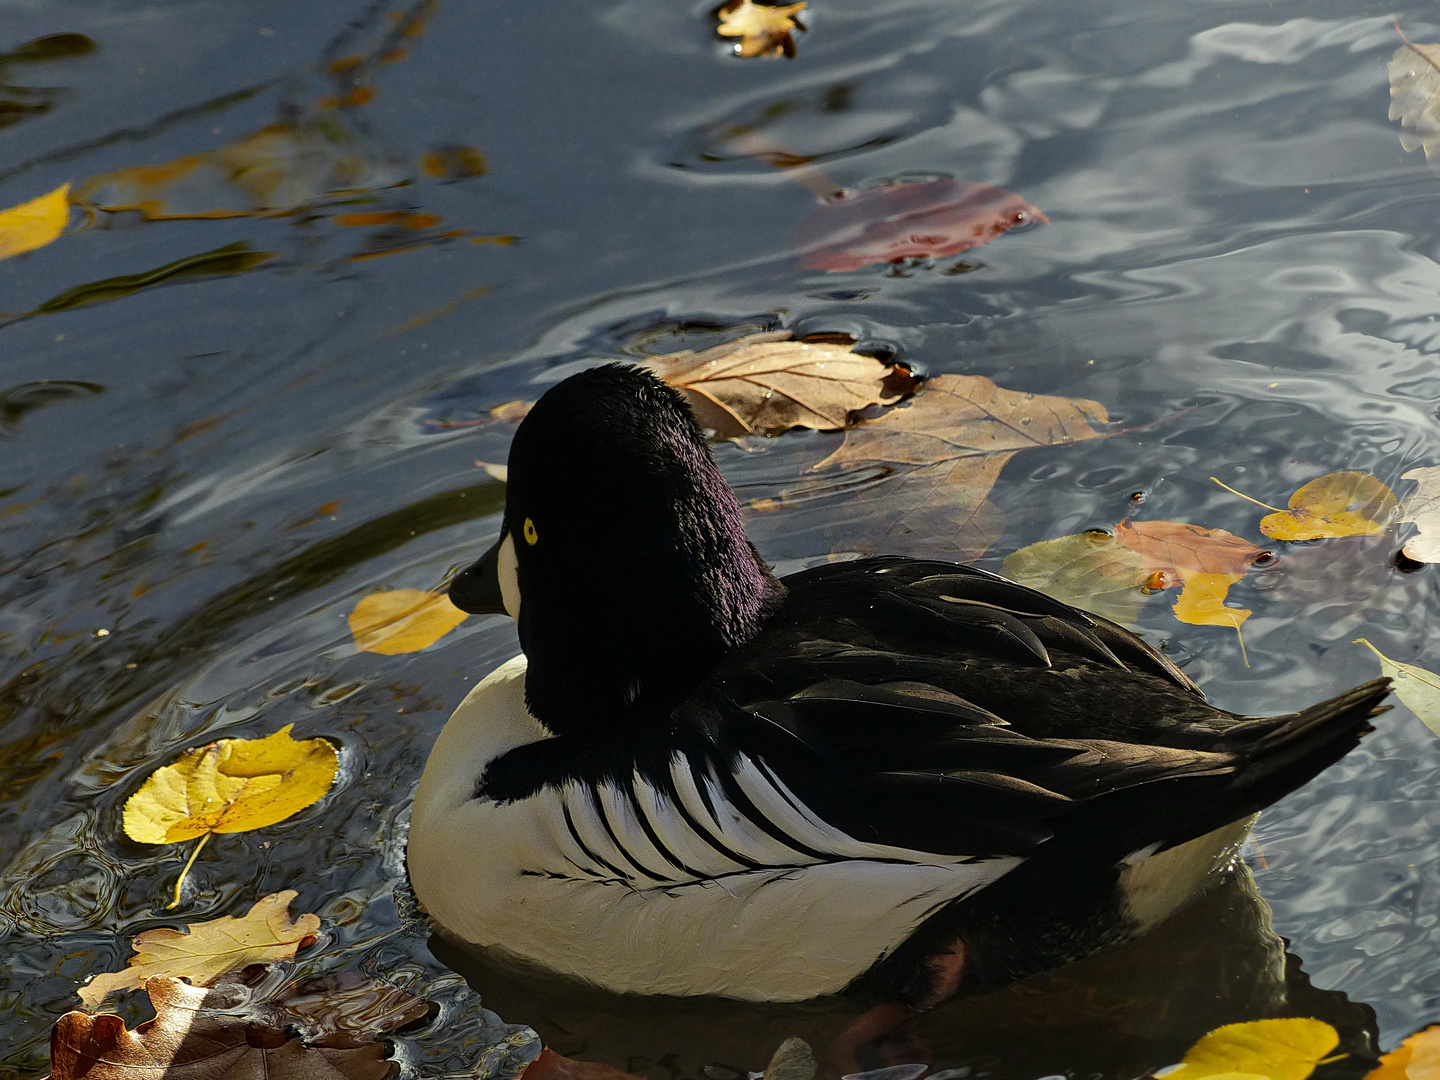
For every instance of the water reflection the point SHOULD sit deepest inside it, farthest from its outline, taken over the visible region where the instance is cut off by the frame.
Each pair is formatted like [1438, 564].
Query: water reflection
[1116, 1015]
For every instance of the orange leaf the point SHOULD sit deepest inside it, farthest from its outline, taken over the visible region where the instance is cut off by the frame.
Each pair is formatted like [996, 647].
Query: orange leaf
[1176, 547]
[1417, 1058]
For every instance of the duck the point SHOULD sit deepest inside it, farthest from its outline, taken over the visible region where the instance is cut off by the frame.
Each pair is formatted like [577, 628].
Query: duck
[893, 777]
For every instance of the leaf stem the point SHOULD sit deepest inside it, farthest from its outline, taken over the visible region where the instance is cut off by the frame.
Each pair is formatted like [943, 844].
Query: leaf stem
[1243, 654]
[1366, 643]
[189, 863]
[1247, 498]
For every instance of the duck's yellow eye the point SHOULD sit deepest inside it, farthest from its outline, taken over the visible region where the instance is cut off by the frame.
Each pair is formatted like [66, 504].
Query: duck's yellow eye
[531, 536]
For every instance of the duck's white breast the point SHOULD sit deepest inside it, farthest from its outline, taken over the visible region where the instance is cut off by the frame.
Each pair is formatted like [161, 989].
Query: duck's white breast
[651, 890]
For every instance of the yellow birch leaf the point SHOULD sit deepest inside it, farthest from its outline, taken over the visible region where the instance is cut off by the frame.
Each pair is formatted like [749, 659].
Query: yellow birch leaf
[1417, 1058]
[204, 951]
[1202, 600]
[1417, 688]
[402, 621]
[1282, 1049]
[1336, 504]
[762, 30]
[233, 785]
[35, 223]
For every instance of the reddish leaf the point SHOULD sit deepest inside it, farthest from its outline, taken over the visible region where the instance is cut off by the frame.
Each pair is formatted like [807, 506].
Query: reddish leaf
[925, 219]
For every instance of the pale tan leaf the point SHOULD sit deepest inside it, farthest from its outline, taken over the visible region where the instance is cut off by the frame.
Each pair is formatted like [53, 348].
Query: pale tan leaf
[1417, 688]
[204, 951]
[1423, 508]
[766, 384]
[1415, 98]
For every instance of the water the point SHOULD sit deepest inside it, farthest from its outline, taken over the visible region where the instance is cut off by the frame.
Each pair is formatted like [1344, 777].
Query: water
[212, 458]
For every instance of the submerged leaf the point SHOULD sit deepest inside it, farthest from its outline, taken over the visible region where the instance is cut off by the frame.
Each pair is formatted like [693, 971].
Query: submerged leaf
[1336, 504]
[192, 1036]
[1415, 98]
[951, 441]
[766, 383]
[231, 259]
[1417, 688]
[762, 30]
[402, 621]
[1282, 1049]
[924, 219]
[1417, 1058]
[204, 951]
[1423, 508]
[1091, 570]
[35, 223]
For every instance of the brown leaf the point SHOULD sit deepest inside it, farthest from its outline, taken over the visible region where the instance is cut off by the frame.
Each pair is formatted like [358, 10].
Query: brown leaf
[552, 1066]
[762, 30]
[190, 1039]
[927, 219]
[1415, 98]
[766, 384]
[204, 951]
[953, 439]
[1174, 547]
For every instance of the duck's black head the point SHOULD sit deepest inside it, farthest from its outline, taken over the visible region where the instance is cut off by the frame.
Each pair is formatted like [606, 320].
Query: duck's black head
[622, 556]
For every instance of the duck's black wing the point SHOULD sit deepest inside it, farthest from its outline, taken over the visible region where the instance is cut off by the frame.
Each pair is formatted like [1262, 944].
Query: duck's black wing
[936, 707]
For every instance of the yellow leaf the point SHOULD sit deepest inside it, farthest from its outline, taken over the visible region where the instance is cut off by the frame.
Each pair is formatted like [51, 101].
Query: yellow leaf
[762, 30]
[1092, 570]
[1417, 688]
[35, 223]
[233, 785]
[1202, 600]
[1336, 504]
[402, 621]
[764, 383]
[1284, 1049]
[1417, 1058]
[204, 951]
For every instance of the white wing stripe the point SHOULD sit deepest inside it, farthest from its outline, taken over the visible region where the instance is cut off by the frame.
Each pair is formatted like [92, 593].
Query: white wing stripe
[746, 838]
[625, 828]
[677, 834]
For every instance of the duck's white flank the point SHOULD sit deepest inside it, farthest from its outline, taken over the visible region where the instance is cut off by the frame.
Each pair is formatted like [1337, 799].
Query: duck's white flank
[618, 885]
[1153, 886]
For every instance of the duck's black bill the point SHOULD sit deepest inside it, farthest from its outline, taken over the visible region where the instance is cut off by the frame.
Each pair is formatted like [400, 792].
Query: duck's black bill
[476, 589]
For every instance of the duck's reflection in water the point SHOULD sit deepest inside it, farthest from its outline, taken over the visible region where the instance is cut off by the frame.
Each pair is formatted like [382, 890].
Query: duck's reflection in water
[1119, 1014]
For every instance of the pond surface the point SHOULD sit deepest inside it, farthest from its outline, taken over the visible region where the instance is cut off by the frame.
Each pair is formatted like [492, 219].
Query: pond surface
[325, 238]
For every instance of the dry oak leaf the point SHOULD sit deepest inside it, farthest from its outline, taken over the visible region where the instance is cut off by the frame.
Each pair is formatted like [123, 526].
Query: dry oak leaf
[1415, 98]
[1417, 688]
[766, 384]
[762, 30]
[1417, 1058]
[1336, 504]
[204, 951]
[1422, 508]
[229, 786]
[1091, 570]
[35, 223]
[1283, 1049]
[186, 1040]
[402, 621]
[951, 441]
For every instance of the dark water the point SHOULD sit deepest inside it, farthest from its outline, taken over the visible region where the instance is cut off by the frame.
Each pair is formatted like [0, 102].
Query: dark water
[211, 451]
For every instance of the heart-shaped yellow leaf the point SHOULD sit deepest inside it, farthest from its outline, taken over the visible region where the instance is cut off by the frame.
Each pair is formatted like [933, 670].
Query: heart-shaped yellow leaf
[35, 223]
[402, 621]
[1336, 504]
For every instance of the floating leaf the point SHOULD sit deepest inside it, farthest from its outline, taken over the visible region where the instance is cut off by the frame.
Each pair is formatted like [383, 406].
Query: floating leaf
[1417, 1058]
[192, 1036]
[1283, 1049]
[1091, 570]
[35, 223]
[231, 259]
[793, 1060]
[1178, 548]
[204, 951]
[402, 621]
[233, 785]
[1415, 98]
[1423, 508]
[766, 383]
[762, 30]
[1417, 688]
[1336, 504]
[1202, 601]
[950, 442]
[926, 219]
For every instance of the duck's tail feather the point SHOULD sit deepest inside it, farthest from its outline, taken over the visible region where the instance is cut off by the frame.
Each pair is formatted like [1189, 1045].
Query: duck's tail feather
[1281, 753]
